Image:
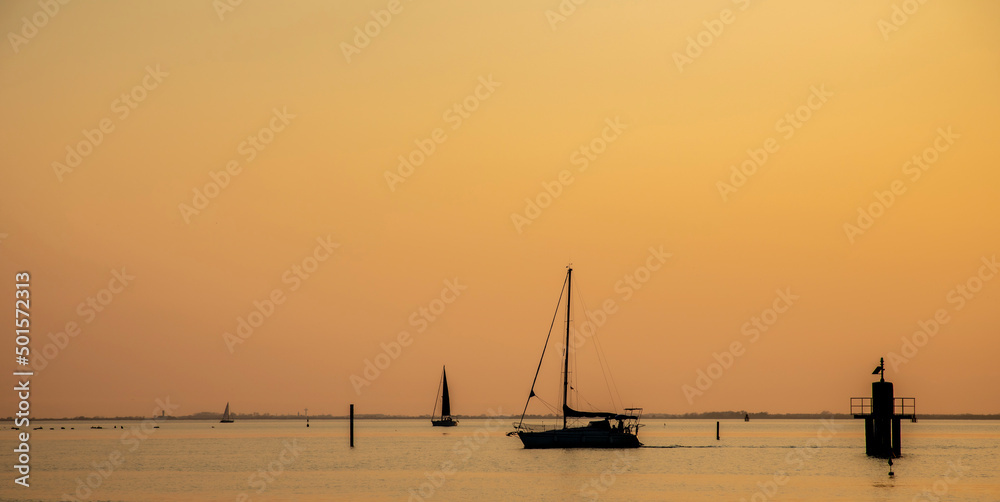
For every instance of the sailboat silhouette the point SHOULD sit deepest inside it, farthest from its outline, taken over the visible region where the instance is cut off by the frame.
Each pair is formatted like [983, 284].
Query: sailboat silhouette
[444, 420]
[226, 417]
[597, 433]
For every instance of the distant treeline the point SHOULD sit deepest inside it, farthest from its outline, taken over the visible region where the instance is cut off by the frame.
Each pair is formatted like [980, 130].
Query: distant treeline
[711, 415]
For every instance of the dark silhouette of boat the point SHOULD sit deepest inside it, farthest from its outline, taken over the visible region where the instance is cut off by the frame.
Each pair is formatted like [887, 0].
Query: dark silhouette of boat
[227, 418]
[443, 420]
[599, 433]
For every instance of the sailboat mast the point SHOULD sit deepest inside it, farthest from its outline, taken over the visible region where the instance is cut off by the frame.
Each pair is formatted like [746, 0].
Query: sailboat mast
[569, 305]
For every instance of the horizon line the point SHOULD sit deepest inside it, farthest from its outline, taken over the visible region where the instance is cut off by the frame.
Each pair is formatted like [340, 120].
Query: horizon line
[206, 415]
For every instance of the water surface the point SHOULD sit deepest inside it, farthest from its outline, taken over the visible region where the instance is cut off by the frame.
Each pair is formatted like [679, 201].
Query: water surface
[410, 460]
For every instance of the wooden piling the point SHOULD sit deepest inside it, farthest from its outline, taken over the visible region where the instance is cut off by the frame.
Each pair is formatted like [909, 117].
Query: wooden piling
[352, 426]
[716, 431]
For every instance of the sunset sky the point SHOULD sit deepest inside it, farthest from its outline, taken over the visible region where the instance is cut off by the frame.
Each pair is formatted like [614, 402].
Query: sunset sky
[252, 153]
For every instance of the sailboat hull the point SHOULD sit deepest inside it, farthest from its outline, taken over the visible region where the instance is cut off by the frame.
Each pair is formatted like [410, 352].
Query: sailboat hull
[448, 422]
[582, 437]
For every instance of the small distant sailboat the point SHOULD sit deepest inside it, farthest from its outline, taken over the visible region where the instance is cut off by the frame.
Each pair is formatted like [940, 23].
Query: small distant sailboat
[227, 418]
[444, 420]
[597, 433]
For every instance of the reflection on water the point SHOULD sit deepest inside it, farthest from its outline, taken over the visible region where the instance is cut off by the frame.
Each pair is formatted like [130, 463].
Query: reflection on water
[409, 460]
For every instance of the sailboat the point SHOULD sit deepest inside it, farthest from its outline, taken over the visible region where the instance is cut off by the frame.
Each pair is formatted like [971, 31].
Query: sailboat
[599, 433]
[444, 420]
[227, 418]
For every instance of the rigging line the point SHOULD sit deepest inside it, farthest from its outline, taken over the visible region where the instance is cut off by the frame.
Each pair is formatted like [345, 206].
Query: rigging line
[606, 373]
[605, 366]
[604, 369]
[539, 368]
[551, 407]
[609, 375]
[615, 384]
[591, 405]
[578, 336]
[438, 397]
[574, 363]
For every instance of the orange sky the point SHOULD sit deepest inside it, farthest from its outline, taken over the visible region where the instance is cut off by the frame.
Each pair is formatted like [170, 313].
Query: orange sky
[610, 106]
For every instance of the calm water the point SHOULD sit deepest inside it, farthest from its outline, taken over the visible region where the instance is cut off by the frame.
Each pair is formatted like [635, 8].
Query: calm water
[409, 460]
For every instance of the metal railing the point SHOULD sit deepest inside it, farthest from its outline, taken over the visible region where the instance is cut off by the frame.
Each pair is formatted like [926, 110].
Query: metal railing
[905, 406]
[861, 406]
[900, 406]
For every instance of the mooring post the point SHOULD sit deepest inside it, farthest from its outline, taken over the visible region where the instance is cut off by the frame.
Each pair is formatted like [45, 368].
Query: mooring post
[882, 419]
[716, 430]
[352, 426]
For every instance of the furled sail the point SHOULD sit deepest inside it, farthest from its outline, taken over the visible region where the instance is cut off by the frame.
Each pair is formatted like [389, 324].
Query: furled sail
[570, 412]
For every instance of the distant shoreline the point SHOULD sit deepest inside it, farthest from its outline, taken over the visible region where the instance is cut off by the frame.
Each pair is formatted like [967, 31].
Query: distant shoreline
[726, 415]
